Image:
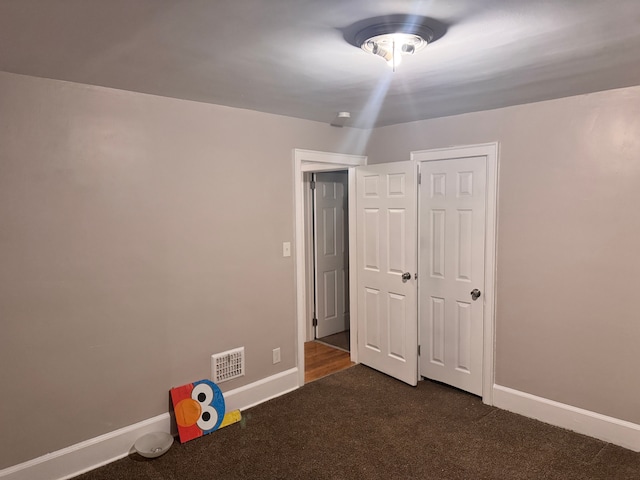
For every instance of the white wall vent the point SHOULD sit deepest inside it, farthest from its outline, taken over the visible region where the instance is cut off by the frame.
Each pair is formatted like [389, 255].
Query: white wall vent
[227, 365]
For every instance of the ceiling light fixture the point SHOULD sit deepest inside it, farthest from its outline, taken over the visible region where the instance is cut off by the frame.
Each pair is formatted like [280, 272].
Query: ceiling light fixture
[393, 40]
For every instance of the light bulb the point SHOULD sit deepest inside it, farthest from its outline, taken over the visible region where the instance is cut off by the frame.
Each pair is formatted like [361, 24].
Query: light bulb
[392, 47]
[395, 60]
[397, 49]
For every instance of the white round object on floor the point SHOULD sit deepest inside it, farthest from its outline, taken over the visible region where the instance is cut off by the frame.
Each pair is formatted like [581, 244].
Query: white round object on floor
[153, 444]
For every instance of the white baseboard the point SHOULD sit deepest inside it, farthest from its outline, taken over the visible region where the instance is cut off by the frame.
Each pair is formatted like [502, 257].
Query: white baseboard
[98, 451]
[609, 429]
[262, 390]
[87, 455]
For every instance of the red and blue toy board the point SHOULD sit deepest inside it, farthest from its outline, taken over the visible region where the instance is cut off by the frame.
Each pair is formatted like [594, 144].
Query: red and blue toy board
[199, 409]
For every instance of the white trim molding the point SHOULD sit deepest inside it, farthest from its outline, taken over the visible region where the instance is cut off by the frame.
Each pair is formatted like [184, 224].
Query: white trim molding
[341, 159]
[490, 152]
[96, 452]
[88, 455]
[586, 422]
[258, 392]
[305, 161]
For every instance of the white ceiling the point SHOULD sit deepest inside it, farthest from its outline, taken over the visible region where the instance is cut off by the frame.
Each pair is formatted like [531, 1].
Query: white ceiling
[289, 57]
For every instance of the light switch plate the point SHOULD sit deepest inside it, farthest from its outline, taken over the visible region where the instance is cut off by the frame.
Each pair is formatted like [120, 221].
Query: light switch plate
[286, 249]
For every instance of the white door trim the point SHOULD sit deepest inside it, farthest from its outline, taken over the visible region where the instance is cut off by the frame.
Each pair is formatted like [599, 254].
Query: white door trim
[490, 151]
[313, 161]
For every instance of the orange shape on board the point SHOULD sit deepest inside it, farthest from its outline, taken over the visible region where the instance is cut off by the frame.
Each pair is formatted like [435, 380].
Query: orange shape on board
[187, 412]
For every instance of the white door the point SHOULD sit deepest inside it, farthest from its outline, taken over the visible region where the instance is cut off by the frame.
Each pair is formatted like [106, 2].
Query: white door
[386, 228]
[331, 252]
[452, 237]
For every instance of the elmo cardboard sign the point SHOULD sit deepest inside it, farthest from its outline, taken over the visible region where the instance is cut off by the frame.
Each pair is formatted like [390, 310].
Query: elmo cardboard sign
[199, 409]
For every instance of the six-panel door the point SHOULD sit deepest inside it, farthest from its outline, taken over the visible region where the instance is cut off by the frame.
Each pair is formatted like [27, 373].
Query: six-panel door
[332, 263]
[386, 249]
[451, 265]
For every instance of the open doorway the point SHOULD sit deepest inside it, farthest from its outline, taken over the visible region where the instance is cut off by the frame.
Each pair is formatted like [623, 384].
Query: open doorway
[307, 162]
[330, 237]
[327, 333]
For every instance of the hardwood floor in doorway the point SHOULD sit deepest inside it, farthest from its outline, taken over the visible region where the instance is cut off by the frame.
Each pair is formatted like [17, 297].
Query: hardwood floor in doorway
[341, 340]
[321, 360]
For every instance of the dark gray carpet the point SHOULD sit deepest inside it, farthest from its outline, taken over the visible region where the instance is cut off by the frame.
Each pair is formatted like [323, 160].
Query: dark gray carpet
[360, 424]
[339, 340]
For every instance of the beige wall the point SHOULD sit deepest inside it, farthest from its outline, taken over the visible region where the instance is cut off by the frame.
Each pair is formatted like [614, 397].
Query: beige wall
[568, 319]
[138, 235]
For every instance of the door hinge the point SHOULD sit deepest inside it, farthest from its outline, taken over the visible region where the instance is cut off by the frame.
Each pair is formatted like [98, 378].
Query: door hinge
[418, 350]
[315, 321]
[313, 184]
[419, 177]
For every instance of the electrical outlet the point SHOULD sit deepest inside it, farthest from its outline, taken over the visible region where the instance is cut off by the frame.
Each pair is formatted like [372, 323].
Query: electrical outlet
[276, 355]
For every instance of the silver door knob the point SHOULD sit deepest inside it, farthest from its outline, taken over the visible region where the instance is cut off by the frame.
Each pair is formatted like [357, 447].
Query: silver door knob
[475, 294]
[406, 276]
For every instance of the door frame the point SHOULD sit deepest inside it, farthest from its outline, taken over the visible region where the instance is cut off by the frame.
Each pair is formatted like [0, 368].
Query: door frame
[490, 152]
[308, 161]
